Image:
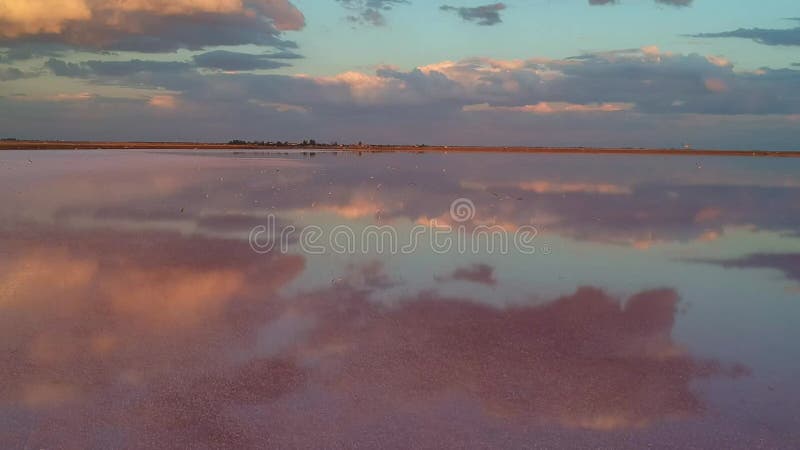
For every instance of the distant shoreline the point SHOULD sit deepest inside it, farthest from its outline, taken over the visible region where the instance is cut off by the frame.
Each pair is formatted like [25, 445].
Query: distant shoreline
[190, 146]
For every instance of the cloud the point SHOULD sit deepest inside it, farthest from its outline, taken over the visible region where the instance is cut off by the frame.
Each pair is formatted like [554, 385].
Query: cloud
[235, 61]
[24, 52]
[121, 70]
[788, 263]
[219, 60]
[646, 81]
[281, 107]
[113, 69]
[76, 97]
[283, 54]
[476, 273]
[776, 37]
[630, 97]
[552, 108]
[148, 25]
[12, 73]
[369, 12]
[67, 69]
[486, 15]
[41, 16]
[163, 102]
[719, 61]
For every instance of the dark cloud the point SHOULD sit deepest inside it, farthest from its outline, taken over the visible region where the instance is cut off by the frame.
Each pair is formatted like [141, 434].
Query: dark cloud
[283, 54]
[476, 273]
[67, 69]
[116, 69]
[122, 70]
[185, 33]
[235, 61]
[24, 52]
[788, 263]
[369, 12]
[12, 73]
[482, 15]
[11, 55]
[367, 277]
[782, 37]
[113, 69]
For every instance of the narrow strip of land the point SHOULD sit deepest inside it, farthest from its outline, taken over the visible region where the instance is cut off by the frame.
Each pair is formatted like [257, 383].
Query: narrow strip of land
[64, 145]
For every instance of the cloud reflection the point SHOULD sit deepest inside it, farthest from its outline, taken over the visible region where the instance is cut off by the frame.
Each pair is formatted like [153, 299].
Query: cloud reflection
[156, 336]
[138, 332]
[585, 360]
[600, 205]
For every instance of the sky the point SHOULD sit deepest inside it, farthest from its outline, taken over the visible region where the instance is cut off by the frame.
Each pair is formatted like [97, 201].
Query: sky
[630, 73]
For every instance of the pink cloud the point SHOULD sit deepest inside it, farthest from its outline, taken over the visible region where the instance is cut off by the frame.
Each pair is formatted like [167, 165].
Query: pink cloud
[101, 23]
[163, 102]
[547, 187]
[552, 108]
[718, 61]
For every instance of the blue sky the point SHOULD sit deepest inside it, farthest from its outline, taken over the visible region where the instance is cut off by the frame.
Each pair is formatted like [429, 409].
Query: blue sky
[418, 33]
[654, 73]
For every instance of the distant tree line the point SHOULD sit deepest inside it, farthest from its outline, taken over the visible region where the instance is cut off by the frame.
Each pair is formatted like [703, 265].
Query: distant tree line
[304, 143]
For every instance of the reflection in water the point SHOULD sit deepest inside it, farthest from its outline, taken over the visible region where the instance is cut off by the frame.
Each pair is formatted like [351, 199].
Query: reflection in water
[135, 315]
[154, 333]
[135, 331]
[583, 360]
[476, 273]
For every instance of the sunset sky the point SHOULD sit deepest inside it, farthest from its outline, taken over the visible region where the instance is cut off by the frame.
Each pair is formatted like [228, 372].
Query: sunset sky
[655, 73]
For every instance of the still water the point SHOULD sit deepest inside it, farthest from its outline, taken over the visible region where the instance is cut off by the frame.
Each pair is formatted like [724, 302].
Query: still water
[658, 307]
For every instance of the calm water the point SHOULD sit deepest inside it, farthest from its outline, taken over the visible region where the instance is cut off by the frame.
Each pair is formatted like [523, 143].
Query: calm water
[659, 308]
